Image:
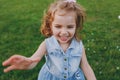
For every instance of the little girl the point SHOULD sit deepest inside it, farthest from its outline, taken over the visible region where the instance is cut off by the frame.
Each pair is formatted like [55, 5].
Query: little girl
[63, 50]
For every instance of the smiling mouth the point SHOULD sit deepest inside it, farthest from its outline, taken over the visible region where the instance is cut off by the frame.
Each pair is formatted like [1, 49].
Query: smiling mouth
[63, 38]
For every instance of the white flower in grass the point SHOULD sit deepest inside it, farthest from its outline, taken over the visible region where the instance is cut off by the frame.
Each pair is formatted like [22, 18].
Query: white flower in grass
[92, 33]
[88, 49]
[117, 47]
[93, 40]
[105, 47]
[94, 51]
[100, 72]
[119, 17]
[117, 68]
[97, 63]
[88, 40]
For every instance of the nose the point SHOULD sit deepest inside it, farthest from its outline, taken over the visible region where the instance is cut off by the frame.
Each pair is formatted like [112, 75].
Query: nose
[64, 32]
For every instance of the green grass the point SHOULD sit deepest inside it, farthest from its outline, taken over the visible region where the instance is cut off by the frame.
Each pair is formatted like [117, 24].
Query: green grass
[19, 34]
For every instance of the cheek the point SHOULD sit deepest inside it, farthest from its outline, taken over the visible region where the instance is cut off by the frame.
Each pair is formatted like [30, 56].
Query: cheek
[55, 31]
[73, 32]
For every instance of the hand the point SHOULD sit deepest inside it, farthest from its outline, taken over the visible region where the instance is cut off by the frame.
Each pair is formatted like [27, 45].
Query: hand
[18, 62]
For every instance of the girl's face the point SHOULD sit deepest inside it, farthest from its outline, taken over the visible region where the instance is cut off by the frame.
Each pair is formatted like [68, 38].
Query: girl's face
[64, 27]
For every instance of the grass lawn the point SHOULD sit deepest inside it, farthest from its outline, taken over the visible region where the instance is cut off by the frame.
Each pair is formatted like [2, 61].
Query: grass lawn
[20, 21]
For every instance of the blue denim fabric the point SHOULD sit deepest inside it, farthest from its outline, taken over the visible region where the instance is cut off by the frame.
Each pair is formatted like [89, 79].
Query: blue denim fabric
[62, 65]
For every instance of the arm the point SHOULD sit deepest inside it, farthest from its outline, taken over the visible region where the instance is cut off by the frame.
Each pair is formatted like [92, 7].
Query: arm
[89, 74]
[18, 62]
[41, 51]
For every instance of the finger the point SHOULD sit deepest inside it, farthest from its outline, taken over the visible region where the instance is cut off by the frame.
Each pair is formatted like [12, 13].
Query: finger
[12, 67]
[11, 60]
[6, 62]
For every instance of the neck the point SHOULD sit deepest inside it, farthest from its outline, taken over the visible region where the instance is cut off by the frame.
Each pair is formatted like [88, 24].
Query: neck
[65, 46]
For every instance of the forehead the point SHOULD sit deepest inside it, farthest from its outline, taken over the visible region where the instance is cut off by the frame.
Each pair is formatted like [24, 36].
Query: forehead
[65, 12]
[64, 18]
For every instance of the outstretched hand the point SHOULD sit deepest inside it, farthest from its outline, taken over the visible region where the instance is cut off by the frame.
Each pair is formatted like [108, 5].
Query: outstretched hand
[18, 62]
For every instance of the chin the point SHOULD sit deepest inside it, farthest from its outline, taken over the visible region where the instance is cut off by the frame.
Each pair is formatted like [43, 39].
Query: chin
[63, 42]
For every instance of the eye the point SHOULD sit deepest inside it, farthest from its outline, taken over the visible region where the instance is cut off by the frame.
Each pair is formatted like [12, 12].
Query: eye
[70, 26]
[57, 26]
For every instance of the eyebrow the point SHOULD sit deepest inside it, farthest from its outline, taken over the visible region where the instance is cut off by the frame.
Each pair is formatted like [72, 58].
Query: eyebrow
[56, 24]
[67, 25]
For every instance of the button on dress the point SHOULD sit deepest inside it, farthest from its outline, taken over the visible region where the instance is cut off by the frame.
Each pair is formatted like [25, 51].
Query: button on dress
[62, 65]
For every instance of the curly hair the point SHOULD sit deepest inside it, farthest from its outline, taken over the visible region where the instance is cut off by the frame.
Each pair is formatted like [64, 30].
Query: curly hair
[65, 6]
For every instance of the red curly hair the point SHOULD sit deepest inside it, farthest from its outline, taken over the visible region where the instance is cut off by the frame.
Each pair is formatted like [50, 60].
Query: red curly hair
[66, 6]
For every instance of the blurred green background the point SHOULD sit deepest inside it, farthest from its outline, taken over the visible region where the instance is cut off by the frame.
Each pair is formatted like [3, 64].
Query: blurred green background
[20, 21]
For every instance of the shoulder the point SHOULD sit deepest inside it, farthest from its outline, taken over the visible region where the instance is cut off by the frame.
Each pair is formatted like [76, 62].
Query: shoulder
[78, 42]
[51, 42]
[43, 44]
[81, 46]
[49, 39]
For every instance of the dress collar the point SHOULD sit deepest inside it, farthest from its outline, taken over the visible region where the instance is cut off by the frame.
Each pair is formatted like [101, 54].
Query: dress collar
[57, 46]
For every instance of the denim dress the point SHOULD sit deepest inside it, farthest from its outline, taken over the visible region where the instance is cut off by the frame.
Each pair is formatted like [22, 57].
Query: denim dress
[62, 65]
